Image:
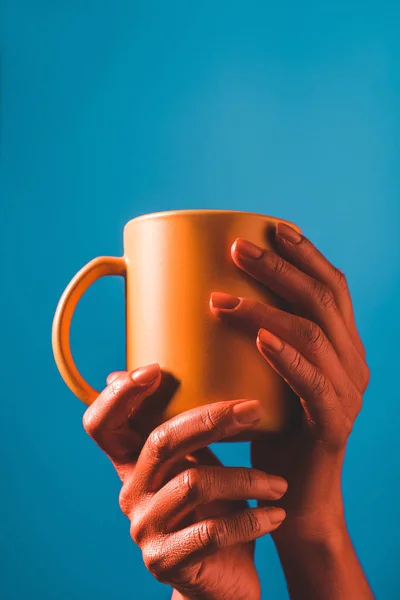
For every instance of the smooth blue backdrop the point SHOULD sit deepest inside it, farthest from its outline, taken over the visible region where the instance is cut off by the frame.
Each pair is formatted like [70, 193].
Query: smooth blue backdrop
[110, 109]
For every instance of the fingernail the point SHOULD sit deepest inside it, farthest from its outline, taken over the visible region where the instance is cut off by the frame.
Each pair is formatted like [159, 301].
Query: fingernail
[248, 412]
[269, 341]
[288, 233]
[276, 515]
[248, 250]
[277, 485]
[146, 375]
[226, 301]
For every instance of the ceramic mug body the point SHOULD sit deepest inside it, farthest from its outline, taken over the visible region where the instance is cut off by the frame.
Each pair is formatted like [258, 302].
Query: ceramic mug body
[172, 263]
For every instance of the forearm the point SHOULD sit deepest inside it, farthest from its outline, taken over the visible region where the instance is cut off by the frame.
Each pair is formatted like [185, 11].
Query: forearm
[322, 566]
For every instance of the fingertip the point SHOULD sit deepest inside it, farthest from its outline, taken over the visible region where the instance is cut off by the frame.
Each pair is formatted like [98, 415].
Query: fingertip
[147, 375]
[234, 252]
[113, 376]
[285, 232]
[276, 515]
[247, 251]
[268, 342]
[222, 302]
[213, 309]
[233, 245]
[278, 486]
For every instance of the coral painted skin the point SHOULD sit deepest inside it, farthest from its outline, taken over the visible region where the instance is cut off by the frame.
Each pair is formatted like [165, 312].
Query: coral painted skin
[188, 512]
[316, 348]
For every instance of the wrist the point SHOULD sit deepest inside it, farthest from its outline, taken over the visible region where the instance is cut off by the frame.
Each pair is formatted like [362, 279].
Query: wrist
[327, 529]
[314, 503]
[321, 562]
[323, 525]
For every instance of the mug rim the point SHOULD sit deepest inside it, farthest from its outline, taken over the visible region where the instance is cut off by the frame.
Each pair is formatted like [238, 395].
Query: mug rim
[209, 211]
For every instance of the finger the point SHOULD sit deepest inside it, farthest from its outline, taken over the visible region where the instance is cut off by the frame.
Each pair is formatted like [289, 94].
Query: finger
[129, 497]
[324, 412]
[190, 431]
[303, 254]
[113, 376]
[107, 419]
[304, 335]
[311, 298]
[196, 542]
[204, 456]
[203, 484]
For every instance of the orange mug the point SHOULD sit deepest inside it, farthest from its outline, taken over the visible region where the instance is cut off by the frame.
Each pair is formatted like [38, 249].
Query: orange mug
[172, 262]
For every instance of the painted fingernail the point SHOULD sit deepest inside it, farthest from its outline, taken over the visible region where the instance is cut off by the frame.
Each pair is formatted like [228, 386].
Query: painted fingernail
[248, 412]
[248, 250]
[146, 375]
[288, 233]
[276, 515]
[277, 485]
[226, 301]
[269, 341]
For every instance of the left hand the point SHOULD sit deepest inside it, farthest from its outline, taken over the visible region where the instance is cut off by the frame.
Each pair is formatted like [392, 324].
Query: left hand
[319, 353]
[189, 514]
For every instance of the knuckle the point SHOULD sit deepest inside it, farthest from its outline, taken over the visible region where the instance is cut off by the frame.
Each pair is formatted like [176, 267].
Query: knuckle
[209, 481]
[137, 528]
[208, 419]
[324, 297]
[96, 418]
[276, 264]
[250, 525]
[340, 280]
[158, 444]
[212, 420]
[90, 421]
[190, 485]
[315, 337]
[125, 500]
[212, 534]
[116, 386]
[155, 562]
[295, 363]
[318, 383]
[250, 480]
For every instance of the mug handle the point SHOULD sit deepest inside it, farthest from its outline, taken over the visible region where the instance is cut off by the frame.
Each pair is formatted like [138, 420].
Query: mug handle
[96, 268]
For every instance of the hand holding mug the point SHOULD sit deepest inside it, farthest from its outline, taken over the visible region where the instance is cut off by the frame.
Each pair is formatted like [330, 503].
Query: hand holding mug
[320, 355]
[188, 513]
[317, 350]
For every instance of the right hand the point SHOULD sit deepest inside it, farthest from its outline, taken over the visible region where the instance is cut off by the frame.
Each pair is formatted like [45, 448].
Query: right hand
[188, 513]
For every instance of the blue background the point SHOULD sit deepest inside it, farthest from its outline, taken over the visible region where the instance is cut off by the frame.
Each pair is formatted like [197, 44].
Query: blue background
[112, 109]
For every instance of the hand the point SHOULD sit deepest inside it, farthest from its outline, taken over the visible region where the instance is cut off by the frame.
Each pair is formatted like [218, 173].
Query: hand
[188, 513]
[320, 355]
